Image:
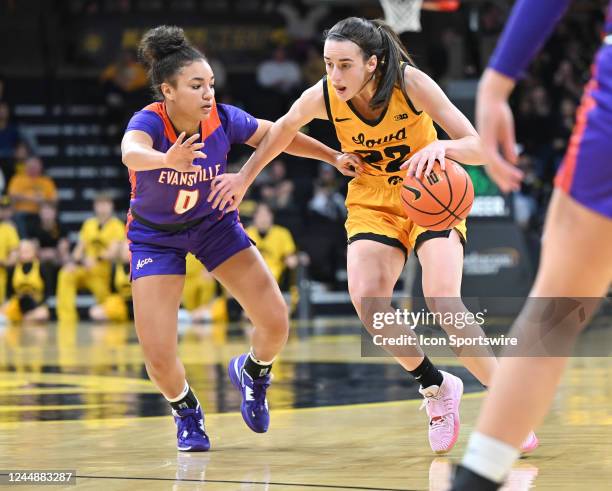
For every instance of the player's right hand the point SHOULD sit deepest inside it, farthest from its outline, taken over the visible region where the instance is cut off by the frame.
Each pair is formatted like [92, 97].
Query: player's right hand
[181, 155]
[495, 125]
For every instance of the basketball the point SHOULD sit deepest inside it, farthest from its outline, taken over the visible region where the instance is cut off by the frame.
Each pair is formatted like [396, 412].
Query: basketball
[440, 200]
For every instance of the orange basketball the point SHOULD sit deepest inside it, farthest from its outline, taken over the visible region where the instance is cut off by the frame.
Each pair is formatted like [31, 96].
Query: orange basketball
[441, 200]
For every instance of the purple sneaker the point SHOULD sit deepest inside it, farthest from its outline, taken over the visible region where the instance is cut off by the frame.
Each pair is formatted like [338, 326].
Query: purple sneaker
[254, 405]
[190, 433]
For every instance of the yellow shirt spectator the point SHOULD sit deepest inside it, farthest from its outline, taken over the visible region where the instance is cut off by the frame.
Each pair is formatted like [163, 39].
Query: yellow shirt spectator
[9, 240]
[30, 188]
[97, 239]
[275, 246]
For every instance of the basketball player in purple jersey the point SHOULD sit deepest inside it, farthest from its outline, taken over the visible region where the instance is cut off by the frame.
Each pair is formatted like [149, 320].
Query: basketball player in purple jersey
[169, 216]
[578, 230]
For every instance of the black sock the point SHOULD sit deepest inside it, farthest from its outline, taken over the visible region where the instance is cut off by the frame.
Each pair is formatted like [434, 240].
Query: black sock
[254, 369]
[465, 480]
[427, 374]
[190, 401]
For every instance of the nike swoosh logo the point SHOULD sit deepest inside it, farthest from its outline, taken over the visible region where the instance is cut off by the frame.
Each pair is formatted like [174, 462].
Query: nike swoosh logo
[340, 120]
[416, 192]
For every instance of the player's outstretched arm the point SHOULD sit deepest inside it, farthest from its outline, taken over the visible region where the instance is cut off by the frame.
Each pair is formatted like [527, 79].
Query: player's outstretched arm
[304, 146]
[138, 154]
[229, 189]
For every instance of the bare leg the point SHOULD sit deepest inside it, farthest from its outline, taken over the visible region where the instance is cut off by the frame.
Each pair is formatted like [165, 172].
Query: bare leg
[572, 233]
[248, 279]
[442, 263]
[156, 303]
[373, 269]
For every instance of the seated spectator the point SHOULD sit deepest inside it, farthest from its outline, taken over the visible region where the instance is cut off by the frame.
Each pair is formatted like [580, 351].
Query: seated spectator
[277, 190]
[28, 300]
[90, 265]
[124, 85]
[9, 242]
[117, 307]
[275, 243]
[203, 300]
[279, 73]
[27, 192]
[327, 202]
[54, 248]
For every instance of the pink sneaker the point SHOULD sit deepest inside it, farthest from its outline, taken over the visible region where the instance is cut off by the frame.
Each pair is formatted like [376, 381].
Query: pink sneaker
[530, 443]
[442, 406]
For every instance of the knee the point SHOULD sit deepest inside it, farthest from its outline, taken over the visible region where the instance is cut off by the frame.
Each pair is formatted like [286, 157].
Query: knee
[441, 288]
[278, 319]
[159, 362]
[377, 289]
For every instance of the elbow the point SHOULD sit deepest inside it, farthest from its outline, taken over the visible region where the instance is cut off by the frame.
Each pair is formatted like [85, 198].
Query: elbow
[127, 158]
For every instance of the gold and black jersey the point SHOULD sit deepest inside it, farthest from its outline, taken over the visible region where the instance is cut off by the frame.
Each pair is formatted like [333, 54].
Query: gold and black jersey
[384, 143]
[27, 280]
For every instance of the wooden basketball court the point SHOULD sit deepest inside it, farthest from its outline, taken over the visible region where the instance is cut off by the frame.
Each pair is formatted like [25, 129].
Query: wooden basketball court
[76, 397]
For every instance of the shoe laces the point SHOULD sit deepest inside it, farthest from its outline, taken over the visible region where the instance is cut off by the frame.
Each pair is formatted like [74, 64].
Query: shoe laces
[441, 399]
[260, 386]
[190, 420]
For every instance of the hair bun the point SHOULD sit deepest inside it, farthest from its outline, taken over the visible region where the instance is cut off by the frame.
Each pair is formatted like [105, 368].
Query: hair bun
[160, 42]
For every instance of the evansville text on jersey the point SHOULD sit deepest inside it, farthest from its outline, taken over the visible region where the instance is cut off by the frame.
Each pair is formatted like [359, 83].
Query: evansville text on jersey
[175, 178]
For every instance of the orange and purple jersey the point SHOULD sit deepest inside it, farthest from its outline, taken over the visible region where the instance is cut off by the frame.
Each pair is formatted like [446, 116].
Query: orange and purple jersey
[166, 196]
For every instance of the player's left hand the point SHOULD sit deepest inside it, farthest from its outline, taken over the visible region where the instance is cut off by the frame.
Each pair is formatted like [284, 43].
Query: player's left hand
[348, 164]
[422, 162]
[227, 191]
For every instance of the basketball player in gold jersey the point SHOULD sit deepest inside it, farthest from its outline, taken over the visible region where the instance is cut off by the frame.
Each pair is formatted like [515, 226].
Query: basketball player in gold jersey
[383, 108]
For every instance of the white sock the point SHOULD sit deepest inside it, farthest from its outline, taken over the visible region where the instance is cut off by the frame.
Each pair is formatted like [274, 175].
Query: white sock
[489, 457]
[260, 362]
[181, 395]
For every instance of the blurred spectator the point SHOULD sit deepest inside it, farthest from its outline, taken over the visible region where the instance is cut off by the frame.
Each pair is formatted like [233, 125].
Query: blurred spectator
[200, 286]
[91, 262]
[27, 191]
[9, 241]
[491, 24]
[28, 302]
[565, 83]
[327, 202]
[202, 299]
[279, 73]
[126, 74]
[124, 85]
[277, 189]
[117, 307]
[9, 133]
[563, 128]
[273, 241]
[54, 248]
